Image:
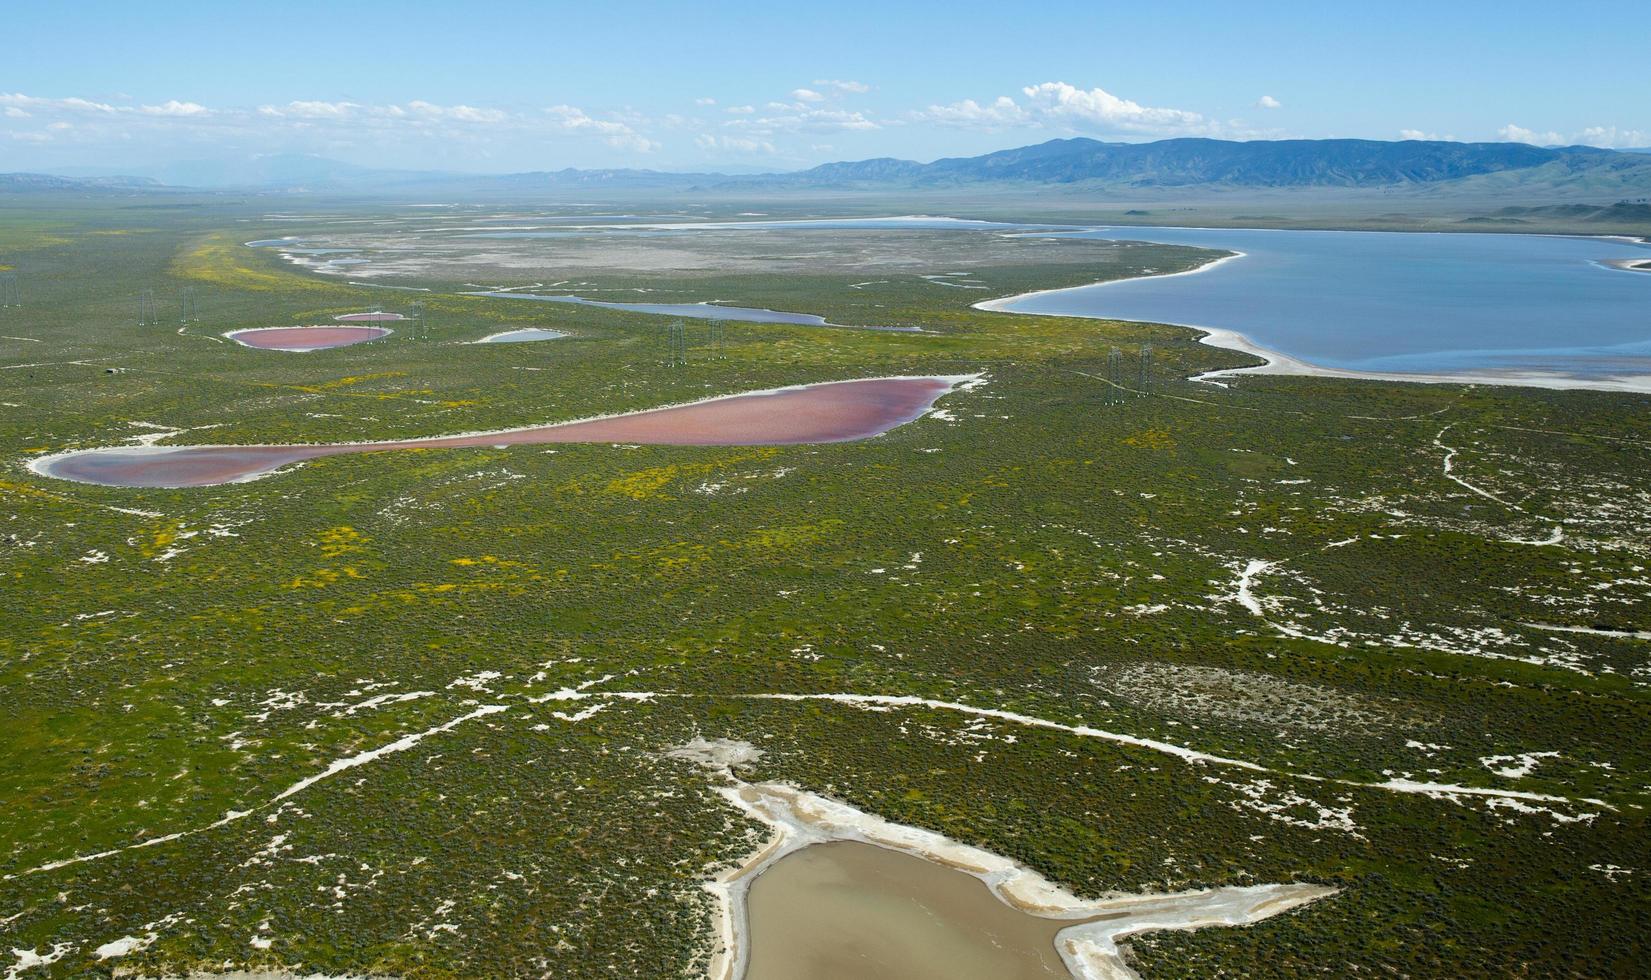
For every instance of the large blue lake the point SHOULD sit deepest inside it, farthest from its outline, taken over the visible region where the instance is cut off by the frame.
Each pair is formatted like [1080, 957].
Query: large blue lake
[1396, 303]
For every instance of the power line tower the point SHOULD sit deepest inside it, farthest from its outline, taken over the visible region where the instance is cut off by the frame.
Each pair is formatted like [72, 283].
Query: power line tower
[713, 330]
[1144, 386]
[10, 292]
[418, 319]
[1114, 376]
[675, 336]
[147, 313]
[186, 306]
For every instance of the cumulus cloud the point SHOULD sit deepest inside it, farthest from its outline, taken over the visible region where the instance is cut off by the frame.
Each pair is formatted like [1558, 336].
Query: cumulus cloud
[1098, 108]
[1267, 102]
[1606, 137]
[741, 144]
[1059, 104]
[305, 109]
[740, 110]
[970, 114]
[173, 107]
[18, 100]
[806, 95]
[1612, 137]
[1519, 134]
[571, 119]
[842, 86]
[458, 113]
[322, 125]
[801, 118]
[705, 101]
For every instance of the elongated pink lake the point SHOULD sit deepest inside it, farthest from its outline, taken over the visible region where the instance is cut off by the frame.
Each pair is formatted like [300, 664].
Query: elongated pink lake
[833, 411]
[306, 338]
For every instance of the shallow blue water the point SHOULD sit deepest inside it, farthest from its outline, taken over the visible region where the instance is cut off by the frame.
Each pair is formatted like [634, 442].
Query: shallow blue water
[1396, 302]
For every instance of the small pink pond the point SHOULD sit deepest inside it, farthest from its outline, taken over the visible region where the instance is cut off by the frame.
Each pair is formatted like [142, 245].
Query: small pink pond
[306, 338]
[833, 411]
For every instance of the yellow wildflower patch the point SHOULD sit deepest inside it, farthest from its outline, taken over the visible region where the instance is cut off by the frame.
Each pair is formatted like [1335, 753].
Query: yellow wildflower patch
[1159, 439]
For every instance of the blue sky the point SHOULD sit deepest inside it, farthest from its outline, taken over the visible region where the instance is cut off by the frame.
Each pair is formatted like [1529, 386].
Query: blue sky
[493, 87]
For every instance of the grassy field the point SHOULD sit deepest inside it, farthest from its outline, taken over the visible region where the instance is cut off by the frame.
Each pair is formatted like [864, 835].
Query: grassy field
[299, 723]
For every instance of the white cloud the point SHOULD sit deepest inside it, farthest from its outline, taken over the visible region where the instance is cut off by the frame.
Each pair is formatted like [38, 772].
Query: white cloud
[705, 101]
[12, 112]
[458, 113]
[302, 109]
[617, 134]
[799, 118]
[1612, 137]
[1100, 109]
[842, 86]
[1268, 102]
[20, 101]
[742, 144]
[1058, 104]
[806, 95]
[1519, 134]
[972, 115]
[173, 107]
[740, 110]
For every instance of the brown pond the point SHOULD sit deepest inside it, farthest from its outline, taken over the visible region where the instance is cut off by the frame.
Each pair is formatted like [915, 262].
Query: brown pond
[833, 411]
[846, 909]
[306, 338]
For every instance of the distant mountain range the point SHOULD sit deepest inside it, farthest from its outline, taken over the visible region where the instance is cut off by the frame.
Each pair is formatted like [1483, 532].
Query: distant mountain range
[1079, 163]
[52, 182]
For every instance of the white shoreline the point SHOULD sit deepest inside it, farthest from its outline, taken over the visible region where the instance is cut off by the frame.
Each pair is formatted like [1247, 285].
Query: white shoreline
[798, 818]
[146, 444]
[493, 338]
[1000, 304]
[1279, 363]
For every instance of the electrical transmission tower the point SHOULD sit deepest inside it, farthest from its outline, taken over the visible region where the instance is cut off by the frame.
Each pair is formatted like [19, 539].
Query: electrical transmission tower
[1114, 376]
[1144, 386]
[713, 331]
[10, 294]
[147, 313]
[186, 305]
[676, 344]
[418, 319]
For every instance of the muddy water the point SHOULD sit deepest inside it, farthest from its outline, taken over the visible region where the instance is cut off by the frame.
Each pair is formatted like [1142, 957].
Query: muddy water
[833, 411]
[846, 909]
